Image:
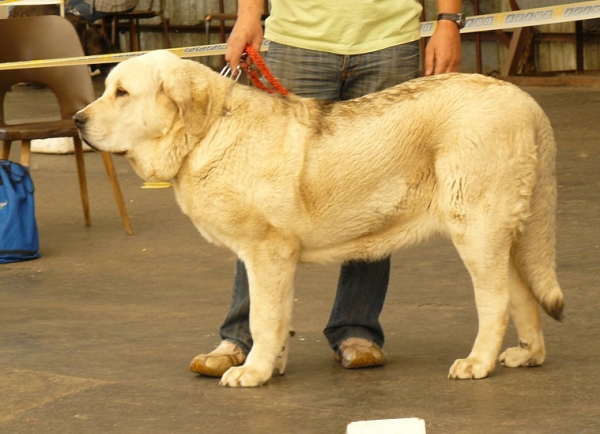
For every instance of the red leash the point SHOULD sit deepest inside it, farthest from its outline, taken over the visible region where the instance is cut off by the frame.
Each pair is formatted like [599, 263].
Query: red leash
[259, 64]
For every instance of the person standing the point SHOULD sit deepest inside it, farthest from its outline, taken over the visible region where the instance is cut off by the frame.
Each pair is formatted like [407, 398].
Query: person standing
[336, 50]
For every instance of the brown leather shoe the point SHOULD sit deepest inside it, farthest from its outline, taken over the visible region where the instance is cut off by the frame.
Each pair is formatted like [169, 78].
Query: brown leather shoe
[360, 353]
[215, 363]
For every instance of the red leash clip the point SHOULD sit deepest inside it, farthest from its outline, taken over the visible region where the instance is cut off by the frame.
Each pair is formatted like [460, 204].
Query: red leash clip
[253, 64]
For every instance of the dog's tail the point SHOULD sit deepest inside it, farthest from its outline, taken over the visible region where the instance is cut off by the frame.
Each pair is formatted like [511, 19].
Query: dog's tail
[534, 250]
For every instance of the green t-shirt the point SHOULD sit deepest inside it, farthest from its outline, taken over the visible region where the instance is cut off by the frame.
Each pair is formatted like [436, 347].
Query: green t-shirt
[344, 27]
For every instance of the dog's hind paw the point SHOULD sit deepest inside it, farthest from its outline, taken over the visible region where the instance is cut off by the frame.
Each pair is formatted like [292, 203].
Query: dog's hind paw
[518, 356]
[469, 369]
[245, 376]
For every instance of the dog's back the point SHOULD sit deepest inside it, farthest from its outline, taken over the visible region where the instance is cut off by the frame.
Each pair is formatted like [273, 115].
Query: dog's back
[419, 156]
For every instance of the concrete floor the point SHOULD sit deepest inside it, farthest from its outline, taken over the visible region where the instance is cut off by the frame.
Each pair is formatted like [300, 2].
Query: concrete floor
[96, 336]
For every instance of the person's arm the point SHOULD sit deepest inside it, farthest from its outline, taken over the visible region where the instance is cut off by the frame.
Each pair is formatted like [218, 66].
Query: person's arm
[247, 30]
[443, 52]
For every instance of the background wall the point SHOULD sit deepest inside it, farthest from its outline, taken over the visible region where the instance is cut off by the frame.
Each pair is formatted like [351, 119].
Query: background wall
[548, 56]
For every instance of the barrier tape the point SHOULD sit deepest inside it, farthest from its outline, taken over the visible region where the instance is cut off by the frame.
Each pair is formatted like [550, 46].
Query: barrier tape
[479, 23]
[525, 18]
[29, 2]
[199, 51]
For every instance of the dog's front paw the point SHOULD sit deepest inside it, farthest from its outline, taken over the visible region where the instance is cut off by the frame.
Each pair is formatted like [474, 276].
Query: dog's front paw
[518, 356]
[245, 376]
[469, 369]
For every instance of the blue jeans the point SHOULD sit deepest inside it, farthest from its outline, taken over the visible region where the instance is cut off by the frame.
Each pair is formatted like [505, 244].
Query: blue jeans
[362, 286]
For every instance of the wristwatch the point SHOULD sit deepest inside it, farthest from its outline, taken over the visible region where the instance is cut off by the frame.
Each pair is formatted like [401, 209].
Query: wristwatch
[459, 19]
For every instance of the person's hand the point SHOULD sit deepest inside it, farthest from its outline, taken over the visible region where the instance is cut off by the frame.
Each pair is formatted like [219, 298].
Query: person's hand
[443, 52]
[247, 30]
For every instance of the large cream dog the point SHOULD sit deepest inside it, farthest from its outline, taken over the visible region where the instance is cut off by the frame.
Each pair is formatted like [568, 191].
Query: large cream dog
[281, 180]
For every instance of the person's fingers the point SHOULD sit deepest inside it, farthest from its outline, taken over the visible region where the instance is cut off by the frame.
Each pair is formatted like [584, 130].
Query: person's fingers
[429, 61]
[441, 66]
[233, 53]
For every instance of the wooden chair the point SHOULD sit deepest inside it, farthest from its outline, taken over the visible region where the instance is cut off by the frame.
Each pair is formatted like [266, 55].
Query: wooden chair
[47, 37]
[133, 19]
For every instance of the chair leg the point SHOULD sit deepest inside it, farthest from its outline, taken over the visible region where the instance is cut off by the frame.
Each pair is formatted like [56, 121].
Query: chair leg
[207, 21]
[134, 37]
[138, 36]
[207, 36]
[5, 149]
[114, 182]
[82, 181]
[165, 24]
[113, 33]
[25, 152]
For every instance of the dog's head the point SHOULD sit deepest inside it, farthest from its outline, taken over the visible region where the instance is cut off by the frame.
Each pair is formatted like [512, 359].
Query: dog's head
[155, 107]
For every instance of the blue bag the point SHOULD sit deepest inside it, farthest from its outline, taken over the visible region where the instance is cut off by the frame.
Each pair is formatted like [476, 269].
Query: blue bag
[18, 229]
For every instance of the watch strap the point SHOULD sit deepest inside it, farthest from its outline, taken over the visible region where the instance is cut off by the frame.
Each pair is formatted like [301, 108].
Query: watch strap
[458, 19]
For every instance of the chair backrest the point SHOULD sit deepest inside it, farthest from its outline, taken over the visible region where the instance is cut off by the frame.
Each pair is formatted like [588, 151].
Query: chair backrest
[45, 37]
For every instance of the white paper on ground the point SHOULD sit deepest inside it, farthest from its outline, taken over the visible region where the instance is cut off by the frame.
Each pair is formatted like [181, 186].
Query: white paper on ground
[59, 145]
[388, 426]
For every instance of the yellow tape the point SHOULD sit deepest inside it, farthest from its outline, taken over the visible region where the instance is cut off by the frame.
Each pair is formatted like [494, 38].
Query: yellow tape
[479, 23]
[199, 51]
[30, 2]
[525, 18]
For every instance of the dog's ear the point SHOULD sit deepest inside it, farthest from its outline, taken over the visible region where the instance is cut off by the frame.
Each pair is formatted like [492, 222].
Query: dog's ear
[187, 87]
[175, 85]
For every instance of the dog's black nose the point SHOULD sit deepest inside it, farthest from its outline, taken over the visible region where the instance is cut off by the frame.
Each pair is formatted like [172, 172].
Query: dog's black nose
[80, 119]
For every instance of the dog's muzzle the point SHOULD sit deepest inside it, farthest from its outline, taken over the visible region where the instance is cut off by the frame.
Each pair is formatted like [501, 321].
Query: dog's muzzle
[81, 119]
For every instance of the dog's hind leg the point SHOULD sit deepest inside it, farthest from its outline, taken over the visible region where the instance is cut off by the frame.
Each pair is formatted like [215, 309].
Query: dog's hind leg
[525, 314]
[271, 269]
[485, 253]
[533, 263]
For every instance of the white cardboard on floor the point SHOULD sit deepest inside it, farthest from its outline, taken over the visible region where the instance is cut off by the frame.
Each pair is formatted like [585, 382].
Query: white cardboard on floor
[59, 145]
[388, 426]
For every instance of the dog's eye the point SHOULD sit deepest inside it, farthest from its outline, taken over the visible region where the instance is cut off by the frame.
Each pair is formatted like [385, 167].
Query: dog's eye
[121, 92]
